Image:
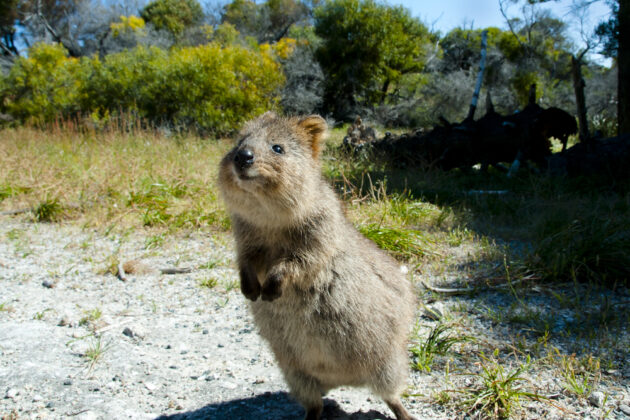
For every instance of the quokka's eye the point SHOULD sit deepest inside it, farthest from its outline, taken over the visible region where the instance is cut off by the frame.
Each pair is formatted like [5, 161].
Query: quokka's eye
[277, 149]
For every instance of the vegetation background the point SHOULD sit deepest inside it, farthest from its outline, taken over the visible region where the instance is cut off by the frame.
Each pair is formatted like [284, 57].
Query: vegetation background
[113, 118]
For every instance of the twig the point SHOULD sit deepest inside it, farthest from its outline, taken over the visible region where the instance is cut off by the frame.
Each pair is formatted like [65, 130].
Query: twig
[17, 211]
[466, 290]
[111, 327]
[77, 413]
[459, 291]
[175, 270]
[121, 272]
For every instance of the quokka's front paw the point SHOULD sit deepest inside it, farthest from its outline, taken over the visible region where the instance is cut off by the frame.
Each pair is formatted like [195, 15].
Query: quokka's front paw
[272, 289]
[249, 285]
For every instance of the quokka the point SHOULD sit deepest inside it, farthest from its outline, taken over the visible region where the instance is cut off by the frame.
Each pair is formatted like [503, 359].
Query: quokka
[335, 309]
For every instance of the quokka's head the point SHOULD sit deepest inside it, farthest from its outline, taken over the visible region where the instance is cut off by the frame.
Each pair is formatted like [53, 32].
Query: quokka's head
[274, 168]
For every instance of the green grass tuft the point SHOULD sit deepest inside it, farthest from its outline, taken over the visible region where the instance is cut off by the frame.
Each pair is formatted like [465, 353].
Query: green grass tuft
[209, 282]
[49, 210]
[500, 391]
[438, 342]
[399, 242]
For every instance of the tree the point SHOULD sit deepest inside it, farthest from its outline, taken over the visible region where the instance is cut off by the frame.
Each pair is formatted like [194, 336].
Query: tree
[367, 47]
[303, 90]
[608, 31]
[81, 26]
[267, 22]
[8, 15]
[623, 68]
[173, 16]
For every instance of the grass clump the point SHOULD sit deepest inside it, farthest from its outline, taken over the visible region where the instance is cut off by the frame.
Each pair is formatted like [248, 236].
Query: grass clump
[592, 249]
[49, 210]
[95, 351]
[438, 342]
[580, 375]
[90, 317]
[500, 391]
[154, 241]
[208, 282]
[399, 242]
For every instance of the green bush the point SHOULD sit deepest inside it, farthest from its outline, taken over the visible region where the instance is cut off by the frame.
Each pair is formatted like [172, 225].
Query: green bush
[43, 85]
[211, 87]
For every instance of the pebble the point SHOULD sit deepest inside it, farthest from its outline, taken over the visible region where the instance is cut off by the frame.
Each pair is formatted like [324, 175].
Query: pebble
[64, 321]
[434, 312]
[625, 409]
[12, 393]
[596, 398]
[49, 283]
[37, 398]
[67, 382]
[136, 332]
[228, 385]
[151, 386]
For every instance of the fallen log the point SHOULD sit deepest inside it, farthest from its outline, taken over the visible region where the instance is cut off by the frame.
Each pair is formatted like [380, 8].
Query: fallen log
[490, 140]
[606, 157]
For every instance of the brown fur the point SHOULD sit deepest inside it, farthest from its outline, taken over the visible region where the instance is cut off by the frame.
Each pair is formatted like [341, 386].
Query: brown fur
[334, 308]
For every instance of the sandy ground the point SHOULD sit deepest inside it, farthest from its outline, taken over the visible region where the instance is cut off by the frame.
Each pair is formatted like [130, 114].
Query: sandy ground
[77, 342]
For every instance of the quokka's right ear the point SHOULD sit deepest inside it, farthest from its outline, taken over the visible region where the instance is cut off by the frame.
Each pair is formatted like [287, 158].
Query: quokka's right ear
[315, 127]
[269, 115]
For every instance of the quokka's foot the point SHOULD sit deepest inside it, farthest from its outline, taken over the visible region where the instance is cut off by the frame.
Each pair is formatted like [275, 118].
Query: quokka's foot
[314, 413]
[399, 410]
[272, 289]
[249, 284]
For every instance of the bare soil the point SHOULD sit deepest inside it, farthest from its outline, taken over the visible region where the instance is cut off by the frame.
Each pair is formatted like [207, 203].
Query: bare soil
[77, 342]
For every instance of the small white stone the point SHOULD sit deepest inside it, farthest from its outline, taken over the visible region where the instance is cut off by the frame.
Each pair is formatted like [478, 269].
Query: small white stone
[88, 415]
[596, 398]
[625, 409]
[12, 393]
[151, 386]
[229, 385]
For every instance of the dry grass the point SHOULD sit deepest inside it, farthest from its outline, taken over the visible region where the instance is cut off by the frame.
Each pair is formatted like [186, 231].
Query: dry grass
[112, 179]
[547, 230]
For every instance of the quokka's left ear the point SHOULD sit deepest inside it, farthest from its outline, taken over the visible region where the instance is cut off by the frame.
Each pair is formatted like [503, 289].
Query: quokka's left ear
[315, 127]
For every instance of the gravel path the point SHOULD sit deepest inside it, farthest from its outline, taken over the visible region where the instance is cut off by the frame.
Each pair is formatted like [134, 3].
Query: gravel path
[168, 346]
[165, 346]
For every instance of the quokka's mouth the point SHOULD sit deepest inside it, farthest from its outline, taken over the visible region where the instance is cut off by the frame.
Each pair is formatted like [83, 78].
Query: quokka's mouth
[243, 174]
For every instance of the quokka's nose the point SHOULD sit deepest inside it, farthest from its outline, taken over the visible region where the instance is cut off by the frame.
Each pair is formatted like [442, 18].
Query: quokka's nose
[244, 158]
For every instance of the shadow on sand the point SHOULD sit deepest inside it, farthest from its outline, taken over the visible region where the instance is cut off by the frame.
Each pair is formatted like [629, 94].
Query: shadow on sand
[269, 406]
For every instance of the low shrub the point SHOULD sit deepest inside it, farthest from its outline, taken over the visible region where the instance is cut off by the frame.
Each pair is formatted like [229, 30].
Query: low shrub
[211, 87]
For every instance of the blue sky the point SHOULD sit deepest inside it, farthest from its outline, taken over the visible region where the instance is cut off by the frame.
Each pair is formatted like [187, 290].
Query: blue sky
[444, 15]
[447, 14]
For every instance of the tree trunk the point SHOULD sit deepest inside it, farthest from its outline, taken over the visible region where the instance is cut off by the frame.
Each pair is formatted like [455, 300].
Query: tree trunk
[532, 100]
[623, 68]
[482, 66]
[578, 86]
[384, 90]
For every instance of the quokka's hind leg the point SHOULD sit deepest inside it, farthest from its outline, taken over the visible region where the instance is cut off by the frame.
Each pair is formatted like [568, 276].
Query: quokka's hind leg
[389, 381]
[308, 391]
[398, 409]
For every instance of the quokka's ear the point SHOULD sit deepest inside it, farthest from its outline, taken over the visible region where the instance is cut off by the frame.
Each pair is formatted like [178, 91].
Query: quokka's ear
[269, 115]
[315, 127]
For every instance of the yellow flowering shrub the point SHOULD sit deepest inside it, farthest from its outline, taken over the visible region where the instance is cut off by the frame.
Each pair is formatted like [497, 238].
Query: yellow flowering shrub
[212, 87]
